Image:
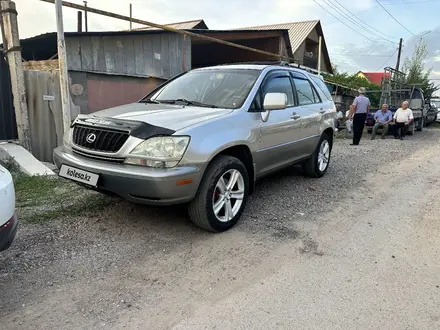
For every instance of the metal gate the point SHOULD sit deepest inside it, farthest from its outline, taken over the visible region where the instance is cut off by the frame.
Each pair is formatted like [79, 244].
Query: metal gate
[8, 125]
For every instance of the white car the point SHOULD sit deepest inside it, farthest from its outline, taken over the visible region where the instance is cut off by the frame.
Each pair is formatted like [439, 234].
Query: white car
[8, 216]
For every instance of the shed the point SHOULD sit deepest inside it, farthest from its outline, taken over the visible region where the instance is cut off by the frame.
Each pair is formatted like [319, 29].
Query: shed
[303, 37]
[113, 68]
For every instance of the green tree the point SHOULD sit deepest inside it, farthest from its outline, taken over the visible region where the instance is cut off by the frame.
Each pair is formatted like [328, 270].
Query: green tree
[415, 71]
[353, 81]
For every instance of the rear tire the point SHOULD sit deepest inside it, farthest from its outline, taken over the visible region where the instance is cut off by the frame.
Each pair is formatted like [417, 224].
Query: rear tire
[411, 128]
[219, 202]
[317, 165]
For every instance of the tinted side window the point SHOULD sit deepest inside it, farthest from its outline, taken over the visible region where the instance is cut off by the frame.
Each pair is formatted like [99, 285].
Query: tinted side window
[305, 92]
[280, 85]
[322, 86]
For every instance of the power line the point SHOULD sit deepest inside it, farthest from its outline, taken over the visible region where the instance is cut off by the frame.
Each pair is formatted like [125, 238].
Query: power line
[408, 2]
[363, 35]
[395, 18]
[344, 15]
[357, 12]
[383, 65]
[387, 36]
[387, 4]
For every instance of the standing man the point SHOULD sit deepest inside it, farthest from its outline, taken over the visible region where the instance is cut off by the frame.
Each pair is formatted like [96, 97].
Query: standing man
[358, 113]
[403, 118]
[383, 118]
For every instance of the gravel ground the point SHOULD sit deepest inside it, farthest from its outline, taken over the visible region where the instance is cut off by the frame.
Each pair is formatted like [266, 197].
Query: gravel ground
[130, 266]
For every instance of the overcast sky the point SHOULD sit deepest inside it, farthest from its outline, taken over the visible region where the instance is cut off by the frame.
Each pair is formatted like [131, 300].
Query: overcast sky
[348, 50]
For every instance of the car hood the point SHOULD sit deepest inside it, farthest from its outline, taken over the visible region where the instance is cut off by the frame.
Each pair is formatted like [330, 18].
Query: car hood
[175, 117]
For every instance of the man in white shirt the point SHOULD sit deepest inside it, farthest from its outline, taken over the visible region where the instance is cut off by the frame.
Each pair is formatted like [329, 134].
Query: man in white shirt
[402, 119]
[339, 116]
[348, 122]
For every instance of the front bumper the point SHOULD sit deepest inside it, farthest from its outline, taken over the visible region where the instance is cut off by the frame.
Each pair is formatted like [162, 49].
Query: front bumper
[144, 185]
[7, 232]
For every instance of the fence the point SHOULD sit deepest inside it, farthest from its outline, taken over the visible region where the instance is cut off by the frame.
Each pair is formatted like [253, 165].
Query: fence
[43, 97]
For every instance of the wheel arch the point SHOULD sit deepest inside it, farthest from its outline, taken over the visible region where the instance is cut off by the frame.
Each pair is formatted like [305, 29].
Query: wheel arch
[243, 153]
[330, 132]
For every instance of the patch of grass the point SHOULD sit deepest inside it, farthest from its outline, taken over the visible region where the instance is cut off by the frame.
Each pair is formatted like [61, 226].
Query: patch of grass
[41, 199]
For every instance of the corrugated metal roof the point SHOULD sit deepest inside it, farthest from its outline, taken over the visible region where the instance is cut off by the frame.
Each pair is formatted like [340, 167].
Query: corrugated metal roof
[298, 31]
[179, 25]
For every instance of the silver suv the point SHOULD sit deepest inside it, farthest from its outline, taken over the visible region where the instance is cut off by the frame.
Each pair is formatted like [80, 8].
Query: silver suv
[204, 138]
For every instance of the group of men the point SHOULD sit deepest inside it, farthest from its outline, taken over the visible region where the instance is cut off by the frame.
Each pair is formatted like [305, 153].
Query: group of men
[384, 118]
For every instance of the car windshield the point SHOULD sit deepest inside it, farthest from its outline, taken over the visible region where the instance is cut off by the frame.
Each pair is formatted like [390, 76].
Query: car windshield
[217, 88]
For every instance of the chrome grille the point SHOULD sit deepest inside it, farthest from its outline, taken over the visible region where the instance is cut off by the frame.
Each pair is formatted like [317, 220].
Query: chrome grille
[99, 139]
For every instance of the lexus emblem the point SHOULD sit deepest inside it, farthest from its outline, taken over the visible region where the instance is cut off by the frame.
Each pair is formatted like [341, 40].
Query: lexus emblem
[90, 138]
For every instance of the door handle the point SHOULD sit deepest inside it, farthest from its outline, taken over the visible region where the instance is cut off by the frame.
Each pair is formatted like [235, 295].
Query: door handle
[295, 116]
[322, 111]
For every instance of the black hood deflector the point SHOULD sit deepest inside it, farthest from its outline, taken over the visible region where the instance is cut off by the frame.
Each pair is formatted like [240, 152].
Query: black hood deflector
[135, 128]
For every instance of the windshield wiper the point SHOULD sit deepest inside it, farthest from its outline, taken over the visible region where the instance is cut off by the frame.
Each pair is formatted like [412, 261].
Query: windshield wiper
[188, 102]
[149, 101]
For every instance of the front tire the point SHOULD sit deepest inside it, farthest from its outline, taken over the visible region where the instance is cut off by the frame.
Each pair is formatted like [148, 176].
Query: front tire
[317, 165]
[222, 195]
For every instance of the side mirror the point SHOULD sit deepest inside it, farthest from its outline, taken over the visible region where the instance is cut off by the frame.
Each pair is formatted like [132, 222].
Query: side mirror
[275, 101]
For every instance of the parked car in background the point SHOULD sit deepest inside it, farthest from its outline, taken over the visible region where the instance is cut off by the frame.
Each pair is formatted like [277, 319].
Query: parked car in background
[435, 104]
[8, 217]
[204, 138]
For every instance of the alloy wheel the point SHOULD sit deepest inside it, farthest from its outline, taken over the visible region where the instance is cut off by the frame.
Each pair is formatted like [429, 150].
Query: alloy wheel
[323, 155]
[228, 195]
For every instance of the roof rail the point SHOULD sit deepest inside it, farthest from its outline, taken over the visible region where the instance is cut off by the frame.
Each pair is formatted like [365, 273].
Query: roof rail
[280, 63]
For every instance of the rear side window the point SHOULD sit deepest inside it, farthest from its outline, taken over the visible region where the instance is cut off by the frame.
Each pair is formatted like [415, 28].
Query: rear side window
[322, 86]
[280, 85]
[306, 94]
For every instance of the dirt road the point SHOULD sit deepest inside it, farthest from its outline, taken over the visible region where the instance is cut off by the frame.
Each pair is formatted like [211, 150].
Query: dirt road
[356, 249]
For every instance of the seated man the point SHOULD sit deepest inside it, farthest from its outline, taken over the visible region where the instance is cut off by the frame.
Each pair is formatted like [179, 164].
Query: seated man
[383, 118]
[402, 118]
[339, 116]
[348, 122]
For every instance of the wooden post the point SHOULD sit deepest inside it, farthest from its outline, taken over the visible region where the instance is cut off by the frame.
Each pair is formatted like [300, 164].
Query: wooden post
[85, 17]
[399, 53]
[62, 60]
[131, 16]
[184, 55]
[319, 54]
[13, 50]
[79, 27]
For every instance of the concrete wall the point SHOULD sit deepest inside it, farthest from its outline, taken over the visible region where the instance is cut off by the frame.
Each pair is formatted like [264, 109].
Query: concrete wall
[161, 55]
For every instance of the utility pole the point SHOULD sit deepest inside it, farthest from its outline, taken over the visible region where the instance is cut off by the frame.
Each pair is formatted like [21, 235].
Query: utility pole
[399, 53]
[62, 60]
[85, 16]
[131, 16]
[319, 54]
[79, 28]
[11, 43]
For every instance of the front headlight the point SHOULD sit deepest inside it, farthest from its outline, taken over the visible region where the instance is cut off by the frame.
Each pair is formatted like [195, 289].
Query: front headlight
[162, 151]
